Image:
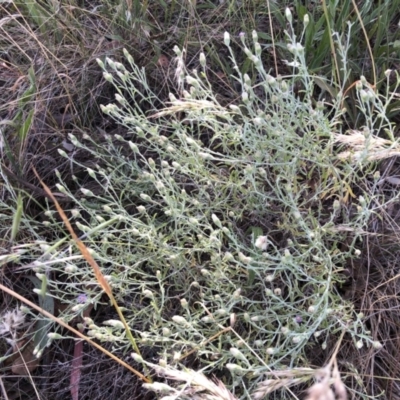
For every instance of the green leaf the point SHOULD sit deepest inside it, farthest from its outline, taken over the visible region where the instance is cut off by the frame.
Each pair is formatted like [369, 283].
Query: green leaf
[23, 131]
[322, 51]
[17, 218]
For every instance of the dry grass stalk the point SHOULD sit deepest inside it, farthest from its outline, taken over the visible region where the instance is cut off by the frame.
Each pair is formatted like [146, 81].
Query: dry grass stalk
[322, 390]
[282, 379]
[372, 147]
[198, 385]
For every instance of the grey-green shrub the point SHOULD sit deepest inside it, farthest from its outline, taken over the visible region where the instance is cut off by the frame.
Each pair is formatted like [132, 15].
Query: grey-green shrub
[212, 216]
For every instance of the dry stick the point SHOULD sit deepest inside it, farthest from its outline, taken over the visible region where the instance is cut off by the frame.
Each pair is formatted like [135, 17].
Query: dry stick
[3, 389]
[272, 37]
[366, 40]
[73, 330]
[98, 274]
[333, 51]
[28, 372]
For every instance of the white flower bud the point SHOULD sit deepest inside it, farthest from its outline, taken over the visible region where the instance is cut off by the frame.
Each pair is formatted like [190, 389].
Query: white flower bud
[184, 303]
[179, 320]
[227, 39]
[87, 192]
[311, 309]
[133, 147]
[237, 354]
[91, 172]
[115, 323]
[108, 77]
[288, 15]
[70, 269]
[138, 358]
[216, 220]
[54, 335]
[388, 72]
[202, 60]
[234, 368]
[285, 330]
[100, 63]
[166, 332]
[296, 339]
[377, 345]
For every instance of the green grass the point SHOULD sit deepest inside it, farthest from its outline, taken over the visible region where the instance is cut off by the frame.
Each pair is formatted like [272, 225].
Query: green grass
[225, 204]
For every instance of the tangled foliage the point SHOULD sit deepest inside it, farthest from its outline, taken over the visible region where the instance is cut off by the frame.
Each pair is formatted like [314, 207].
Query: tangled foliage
[223, 231]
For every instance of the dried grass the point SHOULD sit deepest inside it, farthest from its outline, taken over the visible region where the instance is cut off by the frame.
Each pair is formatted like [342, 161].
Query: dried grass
[366, 145]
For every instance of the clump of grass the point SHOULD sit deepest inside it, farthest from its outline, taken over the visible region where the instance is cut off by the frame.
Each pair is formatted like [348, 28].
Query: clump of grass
[222, 231]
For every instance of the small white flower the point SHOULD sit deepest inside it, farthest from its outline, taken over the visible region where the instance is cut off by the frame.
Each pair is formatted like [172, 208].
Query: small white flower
[285, 330]
[262, 243]
[11, 321]
[244, 259]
